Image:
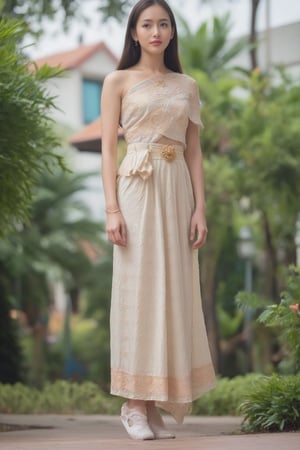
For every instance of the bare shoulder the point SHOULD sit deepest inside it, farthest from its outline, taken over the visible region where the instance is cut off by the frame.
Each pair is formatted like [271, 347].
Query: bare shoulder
[113, 80]
[118, 81]
[188, 79]
[190, 84]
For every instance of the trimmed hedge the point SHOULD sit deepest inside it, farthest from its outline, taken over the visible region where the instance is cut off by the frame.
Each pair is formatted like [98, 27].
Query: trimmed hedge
[226, 397]
[61, 397]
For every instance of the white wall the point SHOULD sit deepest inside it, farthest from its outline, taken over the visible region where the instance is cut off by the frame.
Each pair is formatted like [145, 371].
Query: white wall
[67, 90]
[285, 45]
[283, 48]
[98, 66]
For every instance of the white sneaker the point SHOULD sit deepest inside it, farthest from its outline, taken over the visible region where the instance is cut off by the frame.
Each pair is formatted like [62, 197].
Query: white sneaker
[135, 423]
[157, 425]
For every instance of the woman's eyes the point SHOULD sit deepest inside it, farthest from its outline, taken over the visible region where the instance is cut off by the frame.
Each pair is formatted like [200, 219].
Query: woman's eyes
[163, 24]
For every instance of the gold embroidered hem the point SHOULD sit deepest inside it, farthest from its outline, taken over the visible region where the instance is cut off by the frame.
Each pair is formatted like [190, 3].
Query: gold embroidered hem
[174, 389]
[175, 395]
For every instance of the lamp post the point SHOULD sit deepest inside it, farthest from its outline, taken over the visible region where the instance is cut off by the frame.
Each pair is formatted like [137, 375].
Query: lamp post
[67, 338]
[246, 252]
[297, 240]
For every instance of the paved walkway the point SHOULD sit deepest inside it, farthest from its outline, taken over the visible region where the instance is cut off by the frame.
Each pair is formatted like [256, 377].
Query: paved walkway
[52, 432]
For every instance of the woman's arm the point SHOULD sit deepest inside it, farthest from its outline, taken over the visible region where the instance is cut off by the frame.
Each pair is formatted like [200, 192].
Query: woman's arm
[110, 116]
[194, 160]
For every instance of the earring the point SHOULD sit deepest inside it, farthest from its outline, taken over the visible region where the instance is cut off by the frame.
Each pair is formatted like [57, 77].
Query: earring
[136, 43]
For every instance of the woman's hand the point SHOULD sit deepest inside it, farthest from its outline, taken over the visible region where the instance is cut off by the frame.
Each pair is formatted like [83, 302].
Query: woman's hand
[198, 229]
[116, 229]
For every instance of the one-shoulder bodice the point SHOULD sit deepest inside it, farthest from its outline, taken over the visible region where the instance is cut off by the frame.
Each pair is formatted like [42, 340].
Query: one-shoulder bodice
[160, 107]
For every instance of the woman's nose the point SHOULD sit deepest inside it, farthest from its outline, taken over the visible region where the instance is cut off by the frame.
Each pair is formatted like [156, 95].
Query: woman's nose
[156, 31]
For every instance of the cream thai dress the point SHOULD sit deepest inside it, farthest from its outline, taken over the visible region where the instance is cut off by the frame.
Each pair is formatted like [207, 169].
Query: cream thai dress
[159, 347]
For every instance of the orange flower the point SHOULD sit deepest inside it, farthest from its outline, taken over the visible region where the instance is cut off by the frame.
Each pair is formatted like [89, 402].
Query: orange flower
[294, 308]
[256, 71]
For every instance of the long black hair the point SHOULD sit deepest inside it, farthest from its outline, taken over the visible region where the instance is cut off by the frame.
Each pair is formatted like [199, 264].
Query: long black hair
[131, 52]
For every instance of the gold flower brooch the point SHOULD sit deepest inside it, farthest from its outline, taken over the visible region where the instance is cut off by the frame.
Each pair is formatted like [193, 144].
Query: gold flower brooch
[168, 153]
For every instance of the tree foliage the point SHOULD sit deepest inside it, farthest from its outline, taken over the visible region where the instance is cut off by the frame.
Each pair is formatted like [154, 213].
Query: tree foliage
[208, 48]
[34, 11]
[115, 8]
[265, 136]
[51, 247]
[250, 138]
[27, 138]
[285, 318]
[51, 244]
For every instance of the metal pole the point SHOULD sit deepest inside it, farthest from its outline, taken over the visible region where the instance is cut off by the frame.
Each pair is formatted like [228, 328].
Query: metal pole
[268, 34]
[248, 314]
[67, 337]
[248, 275]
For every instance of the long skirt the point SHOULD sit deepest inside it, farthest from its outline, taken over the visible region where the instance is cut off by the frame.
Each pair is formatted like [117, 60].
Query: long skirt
[159, 346]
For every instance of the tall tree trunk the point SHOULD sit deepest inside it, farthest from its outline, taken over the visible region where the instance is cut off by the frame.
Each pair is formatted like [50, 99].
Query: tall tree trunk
[11, 357]
[39, 333]
[271, 260]
[253, 51]
[75, 296]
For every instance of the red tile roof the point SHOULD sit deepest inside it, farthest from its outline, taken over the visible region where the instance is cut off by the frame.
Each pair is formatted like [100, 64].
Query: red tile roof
[74, 58]
[89, 138]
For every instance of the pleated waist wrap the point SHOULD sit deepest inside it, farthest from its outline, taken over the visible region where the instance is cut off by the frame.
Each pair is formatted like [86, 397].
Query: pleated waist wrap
[139, 157]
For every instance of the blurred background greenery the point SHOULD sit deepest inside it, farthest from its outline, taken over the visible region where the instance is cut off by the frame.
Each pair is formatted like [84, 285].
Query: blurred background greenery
[50, 241]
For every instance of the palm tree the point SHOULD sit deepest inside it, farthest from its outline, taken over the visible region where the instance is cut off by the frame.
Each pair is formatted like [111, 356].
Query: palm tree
[50, 246]
[208, 49]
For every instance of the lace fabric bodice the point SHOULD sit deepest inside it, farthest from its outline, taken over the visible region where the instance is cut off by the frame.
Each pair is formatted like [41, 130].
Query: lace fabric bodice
[160, 107]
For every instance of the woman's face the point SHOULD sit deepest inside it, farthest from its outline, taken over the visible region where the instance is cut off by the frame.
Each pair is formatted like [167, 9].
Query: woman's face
[153, 30]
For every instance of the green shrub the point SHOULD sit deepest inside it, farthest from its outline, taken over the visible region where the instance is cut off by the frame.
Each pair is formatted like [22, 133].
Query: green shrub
[18, 398]
[64, 397]
[61, 397]
[282, 317]
[227, 396]
[273, 404]
[267, 404]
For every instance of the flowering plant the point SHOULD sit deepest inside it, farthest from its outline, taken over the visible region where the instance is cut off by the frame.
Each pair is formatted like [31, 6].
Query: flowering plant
[285, 316]
[295, 309]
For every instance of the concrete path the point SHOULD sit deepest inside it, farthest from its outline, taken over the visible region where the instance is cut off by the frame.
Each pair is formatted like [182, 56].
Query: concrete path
[52, 432]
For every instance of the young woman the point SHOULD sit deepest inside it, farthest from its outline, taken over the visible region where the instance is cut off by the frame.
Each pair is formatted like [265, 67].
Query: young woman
[156, 220]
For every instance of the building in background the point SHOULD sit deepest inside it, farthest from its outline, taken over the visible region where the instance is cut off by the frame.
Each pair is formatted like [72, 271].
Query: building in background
[77, 97]
[78, 90]
[278, 46]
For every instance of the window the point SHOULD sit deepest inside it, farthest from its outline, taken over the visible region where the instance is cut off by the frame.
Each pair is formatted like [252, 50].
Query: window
[91, 99]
